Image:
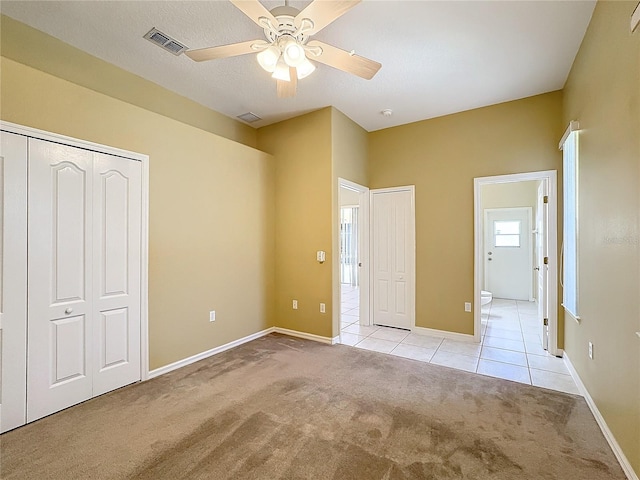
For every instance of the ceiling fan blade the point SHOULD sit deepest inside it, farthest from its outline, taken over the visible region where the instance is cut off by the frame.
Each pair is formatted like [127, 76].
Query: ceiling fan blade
[343, 60]
[288, 89]
[323, 12]
[223, 51]
[254, 10]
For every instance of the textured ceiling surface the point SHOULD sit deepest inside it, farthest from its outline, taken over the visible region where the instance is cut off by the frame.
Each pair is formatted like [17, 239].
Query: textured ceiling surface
[438, 57]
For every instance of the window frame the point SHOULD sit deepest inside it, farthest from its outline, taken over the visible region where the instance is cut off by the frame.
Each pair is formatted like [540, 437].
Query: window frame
[570, 221]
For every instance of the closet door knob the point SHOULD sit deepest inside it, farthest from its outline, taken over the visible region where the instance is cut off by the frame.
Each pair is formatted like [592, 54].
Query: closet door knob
[68, 310]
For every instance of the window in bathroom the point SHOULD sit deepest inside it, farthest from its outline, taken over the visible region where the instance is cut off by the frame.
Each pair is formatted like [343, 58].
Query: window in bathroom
[506, 233]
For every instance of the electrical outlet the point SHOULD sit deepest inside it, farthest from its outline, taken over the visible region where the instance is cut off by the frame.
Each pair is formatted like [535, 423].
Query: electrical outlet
[467, 306]
[322, 308]
[212, 316]
[591, 350]
[295, 304]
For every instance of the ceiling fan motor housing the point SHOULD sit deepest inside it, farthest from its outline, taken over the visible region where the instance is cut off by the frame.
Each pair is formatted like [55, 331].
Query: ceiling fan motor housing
[285, 16]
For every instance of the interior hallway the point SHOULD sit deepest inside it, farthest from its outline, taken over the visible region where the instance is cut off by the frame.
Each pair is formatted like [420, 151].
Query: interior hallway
[511, 346]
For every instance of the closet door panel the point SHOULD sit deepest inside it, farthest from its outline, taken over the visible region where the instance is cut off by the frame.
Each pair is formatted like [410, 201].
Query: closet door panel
[117, 184]
[13, 280]
[60, 277]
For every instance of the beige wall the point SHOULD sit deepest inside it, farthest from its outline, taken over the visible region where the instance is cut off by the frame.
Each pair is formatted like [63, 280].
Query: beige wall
[302, 151]
[603, 94]
[514, 194]
[211, 239]
[43, 52]
[441, 157]
[348, 197]
[350, 161]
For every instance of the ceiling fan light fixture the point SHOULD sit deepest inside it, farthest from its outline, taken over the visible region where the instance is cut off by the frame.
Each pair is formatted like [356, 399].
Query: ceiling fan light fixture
[281, 71]
[293, 53]
[268, 58]
[305, 69]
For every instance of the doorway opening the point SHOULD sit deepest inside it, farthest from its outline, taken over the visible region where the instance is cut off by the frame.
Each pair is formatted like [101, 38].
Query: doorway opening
[353, 244]
[516, 258]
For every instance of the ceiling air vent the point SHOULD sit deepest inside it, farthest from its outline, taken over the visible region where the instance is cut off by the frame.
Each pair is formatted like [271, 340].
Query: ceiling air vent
[165, 41]
[249, 117]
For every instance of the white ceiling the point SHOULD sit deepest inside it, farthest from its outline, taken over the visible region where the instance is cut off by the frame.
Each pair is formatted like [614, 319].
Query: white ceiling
[438, 57]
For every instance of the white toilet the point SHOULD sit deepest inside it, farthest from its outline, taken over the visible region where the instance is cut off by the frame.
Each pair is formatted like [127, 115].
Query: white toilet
[485, 297]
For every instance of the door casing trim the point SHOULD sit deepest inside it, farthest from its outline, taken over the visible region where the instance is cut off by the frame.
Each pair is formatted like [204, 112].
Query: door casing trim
[551, 177]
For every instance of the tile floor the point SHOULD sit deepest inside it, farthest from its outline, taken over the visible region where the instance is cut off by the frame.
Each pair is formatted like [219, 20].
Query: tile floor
[511, 346]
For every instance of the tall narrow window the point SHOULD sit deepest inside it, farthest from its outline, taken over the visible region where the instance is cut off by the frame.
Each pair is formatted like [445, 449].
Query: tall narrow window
[570, 228]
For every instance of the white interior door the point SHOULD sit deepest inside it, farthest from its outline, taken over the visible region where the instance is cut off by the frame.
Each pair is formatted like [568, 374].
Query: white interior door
[84, 272]
[13, 280]
[393, 256]
[508, 253]
[116, 272]
[542, 267]
[60, 277]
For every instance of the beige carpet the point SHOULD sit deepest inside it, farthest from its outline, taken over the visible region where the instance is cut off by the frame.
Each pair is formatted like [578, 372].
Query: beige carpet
[284, 408]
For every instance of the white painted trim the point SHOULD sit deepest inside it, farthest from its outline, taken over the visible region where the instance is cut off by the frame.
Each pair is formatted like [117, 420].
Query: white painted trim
[635, 18]
[431, 332]
[236, 343]
[144, 253]
[573, 126]
[73, 142]
[608, 435]
[201, 356]
[549, 176]
[305, 335]
[144, 274]
[411, 234]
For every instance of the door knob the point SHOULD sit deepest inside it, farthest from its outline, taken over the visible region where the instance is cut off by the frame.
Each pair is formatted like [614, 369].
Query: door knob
[490, 259]
[359, 264]
[68, 310]
[490, 253]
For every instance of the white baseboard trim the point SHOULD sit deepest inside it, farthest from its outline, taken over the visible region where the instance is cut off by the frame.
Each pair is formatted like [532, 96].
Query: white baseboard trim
[461, 337]
[200, 356]
[306, 336]
[608, 435]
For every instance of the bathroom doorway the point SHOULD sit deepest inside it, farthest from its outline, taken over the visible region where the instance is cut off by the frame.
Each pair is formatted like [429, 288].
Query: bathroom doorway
[536, 316]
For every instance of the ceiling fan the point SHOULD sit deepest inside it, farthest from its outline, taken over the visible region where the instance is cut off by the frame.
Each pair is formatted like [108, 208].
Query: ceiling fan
[287, 50]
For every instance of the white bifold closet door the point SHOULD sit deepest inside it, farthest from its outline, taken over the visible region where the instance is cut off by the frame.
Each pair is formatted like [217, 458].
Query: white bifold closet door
[13, 280]
[84, 247]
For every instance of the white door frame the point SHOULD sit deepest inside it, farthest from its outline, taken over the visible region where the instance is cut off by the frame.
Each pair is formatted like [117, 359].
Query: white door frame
[529, 211]
[549, 176]
[144, 254]
[411, 235]
[363, 252]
